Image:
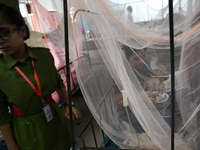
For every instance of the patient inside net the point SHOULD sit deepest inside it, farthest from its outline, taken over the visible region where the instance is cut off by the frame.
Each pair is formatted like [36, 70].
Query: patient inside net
[123, 68]
[152, 82]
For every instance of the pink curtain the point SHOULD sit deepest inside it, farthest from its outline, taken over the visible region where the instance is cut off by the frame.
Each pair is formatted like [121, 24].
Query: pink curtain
[45, 22]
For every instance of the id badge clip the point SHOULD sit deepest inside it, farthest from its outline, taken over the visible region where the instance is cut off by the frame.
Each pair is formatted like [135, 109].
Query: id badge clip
[47, 111]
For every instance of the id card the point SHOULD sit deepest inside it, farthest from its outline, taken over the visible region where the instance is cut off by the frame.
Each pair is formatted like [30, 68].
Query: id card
[47, 112]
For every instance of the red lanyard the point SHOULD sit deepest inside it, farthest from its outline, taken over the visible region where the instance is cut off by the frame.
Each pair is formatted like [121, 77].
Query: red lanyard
[38, 89]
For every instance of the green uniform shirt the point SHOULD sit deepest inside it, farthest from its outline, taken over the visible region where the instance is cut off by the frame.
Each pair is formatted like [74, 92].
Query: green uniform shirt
[15, 90]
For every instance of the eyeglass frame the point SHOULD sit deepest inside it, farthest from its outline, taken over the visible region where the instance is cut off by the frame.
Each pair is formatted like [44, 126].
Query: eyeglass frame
[9, 33]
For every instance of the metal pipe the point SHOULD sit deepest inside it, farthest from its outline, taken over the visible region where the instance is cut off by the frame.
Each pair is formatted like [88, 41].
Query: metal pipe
[106, 94]
[68, 70]
[70, 63]
[171, 25]
[83, 141]
[79, 137]
[95, 139]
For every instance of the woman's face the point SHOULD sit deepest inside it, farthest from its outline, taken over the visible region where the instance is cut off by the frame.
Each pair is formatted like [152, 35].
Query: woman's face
[11, 38]
[137, 59]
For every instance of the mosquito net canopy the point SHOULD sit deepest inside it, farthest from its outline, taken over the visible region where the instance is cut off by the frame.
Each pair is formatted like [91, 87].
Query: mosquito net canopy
[121, 54]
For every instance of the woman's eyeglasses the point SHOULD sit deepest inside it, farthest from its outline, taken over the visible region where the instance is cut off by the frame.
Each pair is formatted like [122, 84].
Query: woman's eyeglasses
[5, 33]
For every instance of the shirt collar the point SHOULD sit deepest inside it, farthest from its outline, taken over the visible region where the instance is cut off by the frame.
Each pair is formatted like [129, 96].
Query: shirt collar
[11, 61]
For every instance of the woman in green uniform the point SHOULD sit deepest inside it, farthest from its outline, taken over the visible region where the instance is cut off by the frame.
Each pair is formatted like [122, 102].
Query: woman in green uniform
[27, 79]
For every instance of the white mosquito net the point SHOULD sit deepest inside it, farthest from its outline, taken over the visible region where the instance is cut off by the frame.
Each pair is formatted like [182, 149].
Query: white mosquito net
[121, 55]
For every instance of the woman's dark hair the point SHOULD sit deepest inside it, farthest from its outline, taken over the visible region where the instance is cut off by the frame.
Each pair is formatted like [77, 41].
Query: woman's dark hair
[13, 16]
[128, 51]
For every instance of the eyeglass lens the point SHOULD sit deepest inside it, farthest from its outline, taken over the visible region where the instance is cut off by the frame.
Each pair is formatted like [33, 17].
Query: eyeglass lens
[5, 33]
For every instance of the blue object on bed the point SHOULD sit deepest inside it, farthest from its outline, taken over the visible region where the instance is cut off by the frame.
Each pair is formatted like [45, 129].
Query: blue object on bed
[108, 143]
[3, 145]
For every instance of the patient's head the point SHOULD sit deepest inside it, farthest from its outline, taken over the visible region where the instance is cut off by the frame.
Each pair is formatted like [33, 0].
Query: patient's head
[129, 9]
[135, 57]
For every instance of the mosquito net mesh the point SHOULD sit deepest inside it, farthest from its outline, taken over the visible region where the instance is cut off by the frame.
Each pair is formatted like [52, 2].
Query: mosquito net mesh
[121, 55]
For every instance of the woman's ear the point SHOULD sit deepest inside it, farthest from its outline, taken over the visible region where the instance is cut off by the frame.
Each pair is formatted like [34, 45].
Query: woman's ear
[23, 31]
